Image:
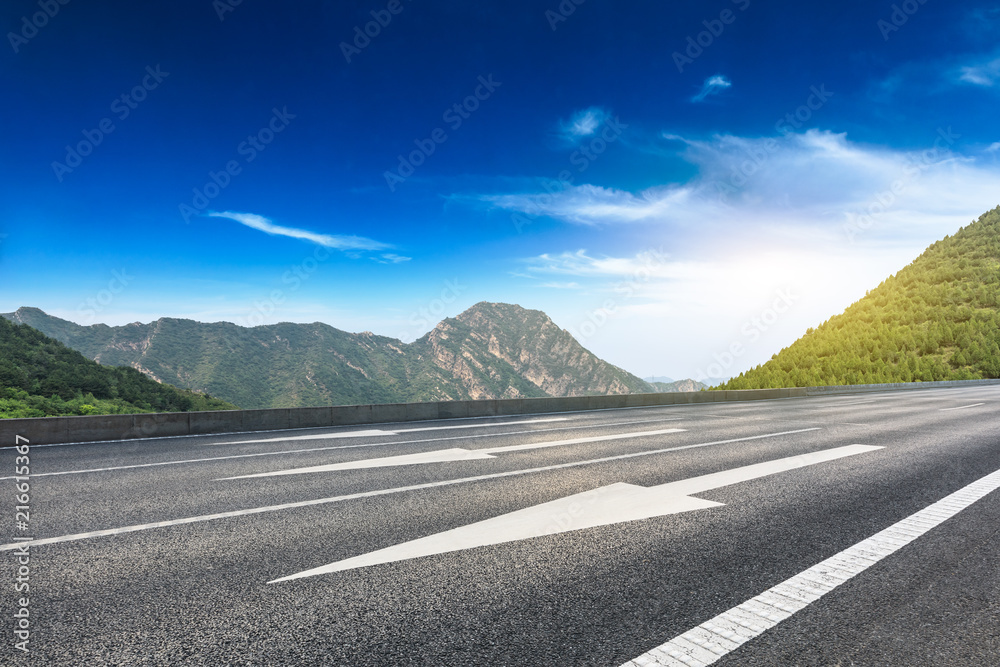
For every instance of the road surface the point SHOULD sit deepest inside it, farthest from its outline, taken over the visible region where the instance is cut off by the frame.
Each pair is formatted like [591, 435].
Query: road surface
[727, 534]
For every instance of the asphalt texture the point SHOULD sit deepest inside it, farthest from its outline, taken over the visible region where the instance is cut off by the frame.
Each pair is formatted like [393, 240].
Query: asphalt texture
[198, 593]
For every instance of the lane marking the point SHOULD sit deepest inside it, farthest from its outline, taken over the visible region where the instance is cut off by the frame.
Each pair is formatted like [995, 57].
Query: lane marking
[713, 639]
[962, 407]
[449, 455]
[371, 494]
[377, 432]
[604, 506]
[444, 428]
[305, 428]
[334, 447]
[888, 394]
[844, 405]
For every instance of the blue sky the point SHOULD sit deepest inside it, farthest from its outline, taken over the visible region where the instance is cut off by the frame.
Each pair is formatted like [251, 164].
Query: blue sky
[684, 186]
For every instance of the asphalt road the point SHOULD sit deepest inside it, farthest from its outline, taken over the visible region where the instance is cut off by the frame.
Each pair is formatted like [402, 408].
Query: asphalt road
[592, 583]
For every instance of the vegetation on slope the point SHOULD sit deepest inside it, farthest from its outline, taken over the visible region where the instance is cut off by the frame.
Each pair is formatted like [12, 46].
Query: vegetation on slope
[489, 351]
[937, 319]
[41, 377]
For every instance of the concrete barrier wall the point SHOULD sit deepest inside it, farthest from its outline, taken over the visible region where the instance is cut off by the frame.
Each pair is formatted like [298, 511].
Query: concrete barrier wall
[864, 388]
[53, 430]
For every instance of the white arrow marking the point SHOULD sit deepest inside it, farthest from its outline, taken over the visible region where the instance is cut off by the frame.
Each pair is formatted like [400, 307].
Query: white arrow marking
[378, 493]
[376, 432]
[449, 455]
[607, 505]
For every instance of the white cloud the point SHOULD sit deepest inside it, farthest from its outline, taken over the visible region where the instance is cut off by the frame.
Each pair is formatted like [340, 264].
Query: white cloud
[994, 147]
[713, 86]
[592, 205]
[814, 212]
[816, 182]
[652, 263]
[392, 258]
[583, 123]
[558, 285]
[263, 224]
[986, 74]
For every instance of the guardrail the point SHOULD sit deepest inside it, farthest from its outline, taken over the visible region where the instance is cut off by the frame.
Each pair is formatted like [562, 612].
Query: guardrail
[99, 428]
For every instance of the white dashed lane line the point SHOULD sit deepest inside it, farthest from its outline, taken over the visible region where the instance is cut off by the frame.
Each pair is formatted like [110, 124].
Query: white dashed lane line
[715, 638]
[332, 447]
[453, 455]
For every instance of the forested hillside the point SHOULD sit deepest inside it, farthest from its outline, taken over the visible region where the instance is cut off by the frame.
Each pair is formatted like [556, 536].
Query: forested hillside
[41, 377]
[937, 319]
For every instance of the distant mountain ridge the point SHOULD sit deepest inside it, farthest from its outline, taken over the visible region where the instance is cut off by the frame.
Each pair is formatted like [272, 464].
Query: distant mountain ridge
[679, 385]
[40, 376]
[492, 350]
[937, 319]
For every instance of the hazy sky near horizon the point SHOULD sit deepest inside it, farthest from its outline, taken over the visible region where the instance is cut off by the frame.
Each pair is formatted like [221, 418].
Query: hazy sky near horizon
[684, 186]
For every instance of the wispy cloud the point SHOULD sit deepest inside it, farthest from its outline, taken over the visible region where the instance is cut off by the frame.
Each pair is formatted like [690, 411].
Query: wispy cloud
[713, 86]
[260, 223]
[594, 205]
[814, 180]
[558, 285]
[583, 123]
[391, 258]
[985, 73]
[579, 264]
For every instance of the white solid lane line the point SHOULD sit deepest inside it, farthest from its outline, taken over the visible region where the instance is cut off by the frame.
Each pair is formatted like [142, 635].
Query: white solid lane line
[713, 639]
[616, 503]
[449, 455]
[369, 494]
[377, 432]
[333, 447]
[962, 407]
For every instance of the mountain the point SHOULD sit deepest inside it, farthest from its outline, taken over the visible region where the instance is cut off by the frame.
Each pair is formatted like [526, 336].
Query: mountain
[39, 377]
[937, 319]
[492, 350]
[679, 385]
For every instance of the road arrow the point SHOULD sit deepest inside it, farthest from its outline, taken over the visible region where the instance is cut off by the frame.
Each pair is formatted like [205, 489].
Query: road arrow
[449, 455]
[604, 506]
[378, 432]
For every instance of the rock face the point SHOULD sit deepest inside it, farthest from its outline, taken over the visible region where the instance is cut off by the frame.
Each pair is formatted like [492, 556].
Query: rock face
[492, 350]
[679, 385]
